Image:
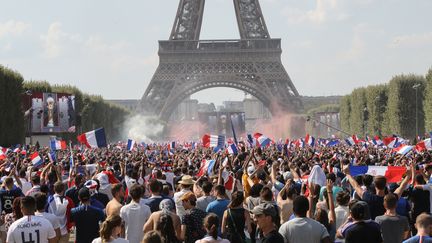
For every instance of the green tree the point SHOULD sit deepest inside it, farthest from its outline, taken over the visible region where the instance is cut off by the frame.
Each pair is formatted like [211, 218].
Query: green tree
[359, 112]
[403, 114]
[428, 101]
[376, 103]
[345, 113]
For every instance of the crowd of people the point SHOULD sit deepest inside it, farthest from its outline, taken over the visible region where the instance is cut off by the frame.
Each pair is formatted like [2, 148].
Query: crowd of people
[157, 193]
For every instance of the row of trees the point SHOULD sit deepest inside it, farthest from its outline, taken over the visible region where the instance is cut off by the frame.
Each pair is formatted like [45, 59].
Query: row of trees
[402, 107]
[92, 110]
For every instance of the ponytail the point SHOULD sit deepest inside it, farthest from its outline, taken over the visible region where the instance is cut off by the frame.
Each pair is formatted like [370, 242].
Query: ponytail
[108, 226]
[211, 223]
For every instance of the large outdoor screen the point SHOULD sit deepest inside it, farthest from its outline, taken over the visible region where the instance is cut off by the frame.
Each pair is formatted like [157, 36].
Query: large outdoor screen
[50, 112]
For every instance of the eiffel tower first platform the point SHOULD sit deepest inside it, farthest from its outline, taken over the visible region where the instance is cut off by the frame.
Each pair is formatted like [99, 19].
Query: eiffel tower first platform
[188, 65]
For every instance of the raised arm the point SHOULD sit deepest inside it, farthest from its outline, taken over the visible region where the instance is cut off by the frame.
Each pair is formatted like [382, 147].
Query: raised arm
[332, 212]
[353, 182]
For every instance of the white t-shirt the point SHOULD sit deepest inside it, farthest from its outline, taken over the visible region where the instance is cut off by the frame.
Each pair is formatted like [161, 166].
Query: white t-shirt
[180, 210]
[118, 240]
[212, 240]
[303, 230]
[135, 215]
[30, 229]
[26, 186]
[51, 217]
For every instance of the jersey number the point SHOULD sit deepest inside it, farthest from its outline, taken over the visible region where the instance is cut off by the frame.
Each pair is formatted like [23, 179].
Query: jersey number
[30, 238]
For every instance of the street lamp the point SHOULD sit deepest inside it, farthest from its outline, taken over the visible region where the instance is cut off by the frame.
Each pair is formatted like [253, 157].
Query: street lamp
[29, 114]
[416, 86]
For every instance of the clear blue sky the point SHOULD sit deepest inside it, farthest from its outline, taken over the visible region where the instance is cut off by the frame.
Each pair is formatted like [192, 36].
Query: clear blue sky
[109, 47]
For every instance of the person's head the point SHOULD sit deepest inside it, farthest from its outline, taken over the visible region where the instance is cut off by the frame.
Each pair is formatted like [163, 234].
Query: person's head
[367, 180]
[117, 190]
[110, 227]
[165, 226]
[28, 205]
[79, 180]
[380, 182]
[266, 194]
[59, 188]
[84, 195]
[23, 172]
[167, 205]
[321, 216]
[16, 208]
[136, 192]
[237, 199]
[390, 201]
[264, 215]
[8, 183]
[155, 186]
[300, 206]
[332, 177]
[343, 198]
[189, 200]
[35, 180]
[255, 190]
[419, 179]
[219, 191]
[358, 211]
[186, 182]
[41, 201]
[207, 187]
[152, 236]
[424, 223]
[211, 225]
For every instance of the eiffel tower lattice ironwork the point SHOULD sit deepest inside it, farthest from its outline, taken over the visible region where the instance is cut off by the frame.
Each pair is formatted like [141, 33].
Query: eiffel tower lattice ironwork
[188, 65]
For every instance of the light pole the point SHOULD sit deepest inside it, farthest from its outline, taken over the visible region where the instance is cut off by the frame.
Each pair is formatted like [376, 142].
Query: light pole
[29, 114]
[416, 86]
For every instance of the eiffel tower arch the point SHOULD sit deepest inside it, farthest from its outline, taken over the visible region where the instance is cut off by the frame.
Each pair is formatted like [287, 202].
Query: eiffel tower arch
[188, 64]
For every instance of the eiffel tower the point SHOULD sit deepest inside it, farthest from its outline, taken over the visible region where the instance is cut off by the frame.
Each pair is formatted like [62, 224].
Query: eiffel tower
[251, 64]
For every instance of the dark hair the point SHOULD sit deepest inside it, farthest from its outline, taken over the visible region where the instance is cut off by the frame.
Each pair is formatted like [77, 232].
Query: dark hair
[321, 216]
[207, 187]
[300, 206]
[41, 200]
[35, 180]
[59, 187]
[155, 186]
[16, 208]
[220, 190]
[116, 188]
[165, 225]
[152, 236]
[266, 194]
[211, 223]
[28, 203]
[331, 176]
[342, 198]
[419, 179]
[237, 199]
[390, 201]
[380, 182]
[136, 192]
[255, 190]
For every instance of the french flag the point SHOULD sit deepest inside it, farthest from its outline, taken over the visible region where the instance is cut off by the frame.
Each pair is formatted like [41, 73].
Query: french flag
[130, 145]
[351, 140]
[262, 140]
[57, 144]
[23, 151]
[377, 141]
[213, 140]
[206, 167]
[171, 145]
[424, 145]
[392, 173]
[17, 149]
[251, 140]
[93, 139]
[232, 149]
[2, 154]
[391, 142]
[403, 149]
[309, 140]
[36, 160]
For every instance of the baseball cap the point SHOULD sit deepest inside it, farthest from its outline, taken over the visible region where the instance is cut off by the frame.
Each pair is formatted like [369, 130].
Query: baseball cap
[264, 208]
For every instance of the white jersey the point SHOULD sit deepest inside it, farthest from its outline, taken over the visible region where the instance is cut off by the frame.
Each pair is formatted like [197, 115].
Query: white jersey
[118, 240]
[30, 228]
[51, 217]
[135, 215]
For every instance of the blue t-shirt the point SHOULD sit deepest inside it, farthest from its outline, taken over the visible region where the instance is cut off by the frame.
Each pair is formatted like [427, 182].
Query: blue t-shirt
[87, 220]
[218, 207]
[416, 238]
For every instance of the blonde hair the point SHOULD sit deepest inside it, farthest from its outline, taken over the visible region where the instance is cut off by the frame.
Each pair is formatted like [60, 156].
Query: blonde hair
[108, 226]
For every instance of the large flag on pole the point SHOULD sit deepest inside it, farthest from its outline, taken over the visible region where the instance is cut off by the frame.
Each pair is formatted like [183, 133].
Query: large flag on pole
[93, 139]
